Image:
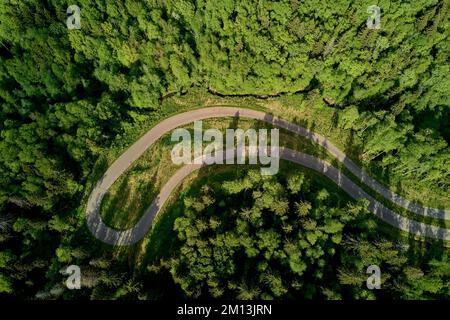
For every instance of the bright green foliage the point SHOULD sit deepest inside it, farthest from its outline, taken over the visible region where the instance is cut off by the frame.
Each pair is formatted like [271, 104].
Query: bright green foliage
[310, 251]
[65, 95]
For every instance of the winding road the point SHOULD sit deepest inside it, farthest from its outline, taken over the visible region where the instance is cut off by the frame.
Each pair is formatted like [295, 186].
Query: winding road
[130, 236]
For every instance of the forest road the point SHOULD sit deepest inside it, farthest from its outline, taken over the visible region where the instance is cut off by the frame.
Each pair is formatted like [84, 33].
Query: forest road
[130, 236]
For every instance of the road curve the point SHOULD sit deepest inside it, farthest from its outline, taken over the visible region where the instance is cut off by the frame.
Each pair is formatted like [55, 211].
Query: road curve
[132, 235]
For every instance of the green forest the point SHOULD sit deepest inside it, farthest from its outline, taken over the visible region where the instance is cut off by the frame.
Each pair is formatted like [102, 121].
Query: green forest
[72, 100]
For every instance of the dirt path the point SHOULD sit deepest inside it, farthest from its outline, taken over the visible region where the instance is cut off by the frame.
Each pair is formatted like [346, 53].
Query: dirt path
[133, 235]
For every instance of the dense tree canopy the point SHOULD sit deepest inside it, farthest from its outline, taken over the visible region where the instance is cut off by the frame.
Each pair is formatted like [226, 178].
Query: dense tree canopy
[66, 95]
[259, 237]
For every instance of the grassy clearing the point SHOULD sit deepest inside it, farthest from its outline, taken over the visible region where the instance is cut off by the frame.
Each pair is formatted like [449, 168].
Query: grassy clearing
[133, 192]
